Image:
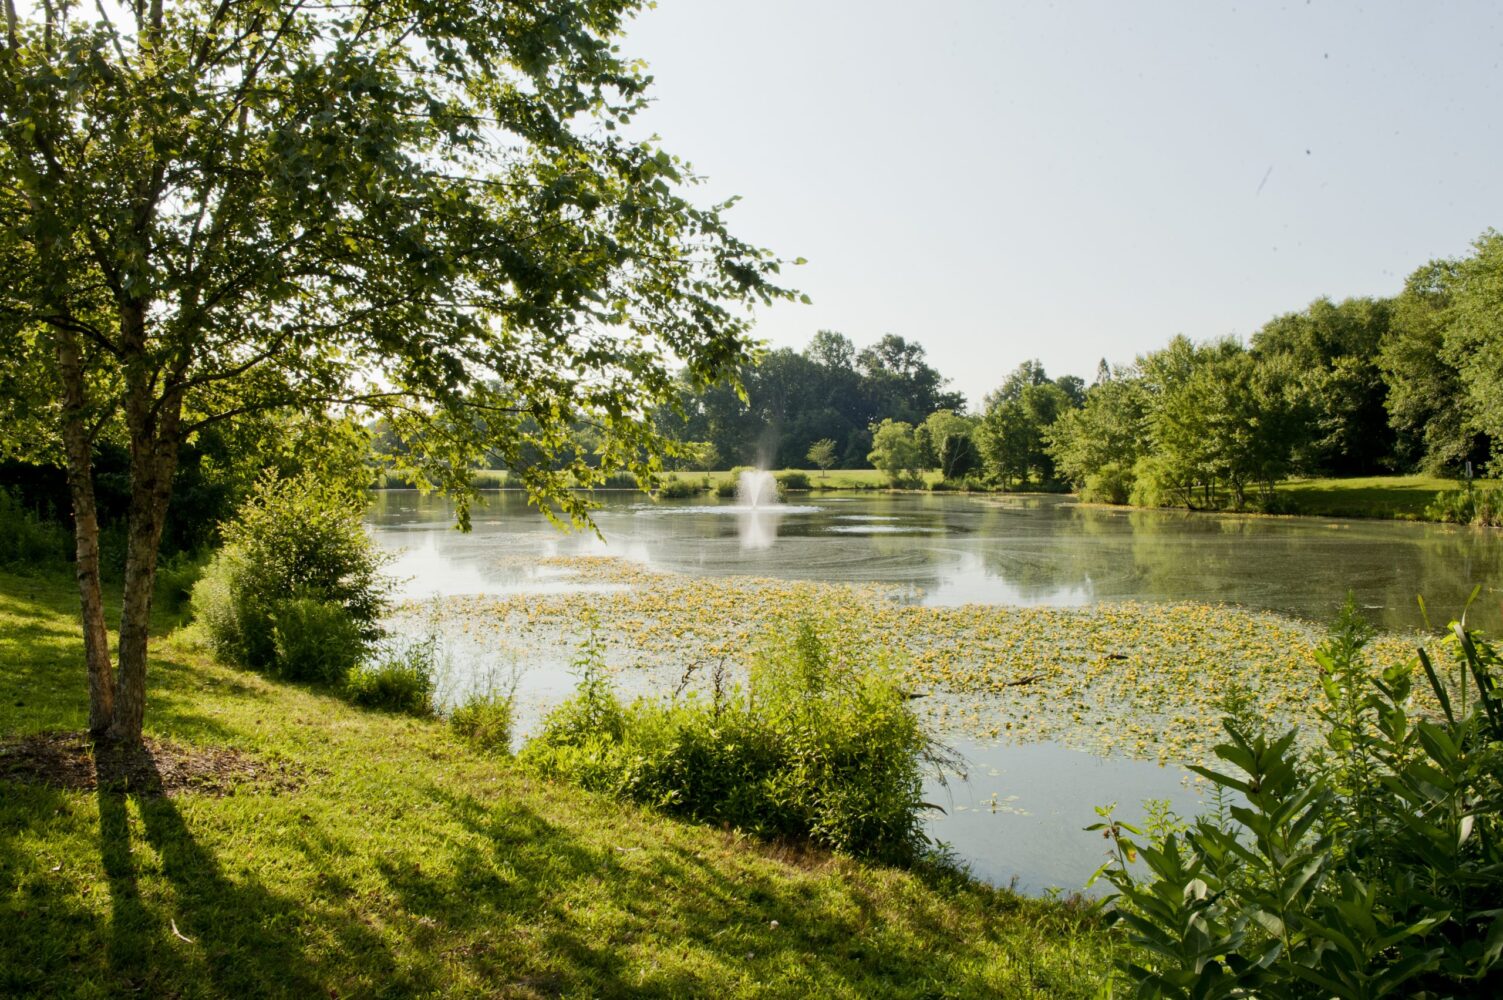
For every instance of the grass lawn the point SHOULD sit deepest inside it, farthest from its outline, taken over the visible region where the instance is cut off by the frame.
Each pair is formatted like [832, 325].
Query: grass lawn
[405, 864]
[1403, 497]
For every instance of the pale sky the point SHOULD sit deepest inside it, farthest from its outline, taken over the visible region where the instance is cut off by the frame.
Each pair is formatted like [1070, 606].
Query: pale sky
[1067, 181]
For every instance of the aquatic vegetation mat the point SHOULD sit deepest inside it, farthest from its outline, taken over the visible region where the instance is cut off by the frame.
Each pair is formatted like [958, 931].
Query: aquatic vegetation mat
[1142, 680]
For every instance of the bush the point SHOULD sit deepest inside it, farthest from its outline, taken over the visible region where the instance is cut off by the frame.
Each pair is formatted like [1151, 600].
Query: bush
[1112, 483]
[674, 488]
[28, 540]
[484, 721]
[725, 489]
[793, 480]
[1469, 506]
[813, 749]
[400, 680]
[298, 573]
[1373, 868]
[618, 481]
[315, 640]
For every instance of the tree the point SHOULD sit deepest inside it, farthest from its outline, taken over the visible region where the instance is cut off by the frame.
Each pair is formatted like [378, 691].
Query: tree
[1474, 339]
[423, 211]
[822, 454]
[895, 451]
[1427, 406]
[903, 384]
[1335, 347]
[938, 426]
[1017, 419]
[1110, 429]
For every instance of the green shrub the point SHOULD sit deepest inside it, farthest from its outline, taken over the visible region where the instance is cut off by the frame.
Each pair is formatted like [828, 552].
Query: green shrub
[401, 679]
[314, 640]
[28, 540]
[484, 721]
[793, 480]
[674, 488]
[619, 481]
[1112, 483]
[945, 486]
[725, 489]
[814, 749]
[298, 588]
[1469, 506]
[1372, 868]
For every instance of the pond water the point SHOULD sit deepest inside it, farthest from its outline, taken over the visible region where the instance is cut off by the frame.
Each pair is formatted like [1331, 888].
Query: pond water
[1018, 815]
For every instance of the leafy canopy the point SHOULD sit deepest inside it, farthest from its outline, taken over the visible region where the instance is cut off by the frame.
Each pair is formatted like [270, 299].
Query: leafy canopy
[423, 209]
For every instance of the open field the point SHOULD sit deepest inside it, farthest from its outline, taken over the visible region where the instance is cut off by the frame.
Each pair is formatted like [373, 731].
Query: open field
[372, 855]
[1389, 497]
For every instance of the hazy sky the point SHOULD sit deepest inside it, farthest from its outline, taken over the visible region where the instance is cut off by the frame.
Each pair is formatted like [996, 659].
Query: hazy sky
[1067, 181]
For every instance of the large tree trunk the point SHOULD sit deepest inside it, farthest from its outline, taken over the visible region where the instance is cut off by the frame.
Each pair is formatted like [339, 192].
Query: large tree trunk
[153, 425]
[153, 462]
[78, 448]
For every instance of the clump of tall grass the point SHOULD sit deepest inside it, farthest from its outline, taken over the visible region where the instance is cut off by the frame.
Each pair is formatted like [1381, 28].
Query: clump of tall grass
[399, 677]
[814, 748]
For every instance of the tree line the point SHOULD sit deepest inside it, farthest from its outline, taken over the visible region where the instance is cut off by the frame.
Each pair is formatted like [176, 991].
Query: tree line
[1364, 386]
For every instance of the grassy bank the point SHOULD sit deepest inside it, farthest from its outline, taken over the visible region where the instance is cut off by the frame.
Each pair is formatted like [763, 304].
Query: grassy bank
[373, 855]
[1390, 497]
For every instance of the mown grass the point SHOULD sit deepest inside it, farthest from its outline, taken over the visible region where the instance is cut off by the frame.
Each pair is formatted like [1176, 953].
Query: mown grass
[1390, 497]
[409, 865]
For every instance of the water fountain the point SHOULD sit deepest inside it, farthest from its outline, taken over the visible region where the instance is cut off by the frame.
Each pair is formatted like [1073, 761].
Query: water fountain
[758, 492]
[757, 488]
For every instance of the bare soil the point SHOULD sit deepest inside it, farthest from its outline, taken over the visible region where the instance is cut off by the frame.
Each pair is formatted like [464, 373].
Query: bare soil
[74, 761]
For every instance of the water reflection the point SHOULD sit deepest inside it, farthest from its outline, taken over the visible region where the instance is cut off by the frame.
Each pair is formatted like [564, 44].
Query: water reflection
[1038, 551]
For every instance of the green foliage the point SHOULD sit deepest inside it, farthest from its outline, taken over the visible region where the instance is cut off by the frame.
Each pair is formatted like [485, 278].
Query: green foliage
[725, 489]
[793, 480]
[1472, 505]
[1372, 868]
[27, 540]
[1473, 341]
[816, 748]
[1013, 434]
[1110, 483]
[674, 488]
[314, 640]
[298, 588]
[958, 455]
[895, 450]
[400, 679]
[177, 575]
[485, 722]
[822, 454]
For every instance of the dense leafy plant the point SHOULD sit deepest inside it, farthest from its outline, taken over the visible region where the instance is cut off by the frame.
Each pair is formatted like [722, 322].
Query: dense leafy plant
[1371, 868]
[814, 748]
[485, 722]
[298, 588]
[400, 682]
[1468, 506]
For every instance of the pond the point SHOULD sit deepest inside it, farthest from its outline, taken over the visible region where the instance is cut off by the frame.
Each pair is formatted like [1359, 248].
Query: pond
[1018, 814]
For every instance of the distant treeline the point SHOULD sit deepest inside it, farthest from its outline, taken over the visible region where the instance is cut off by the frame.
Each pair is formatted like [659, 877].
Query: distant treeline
[1364, 386]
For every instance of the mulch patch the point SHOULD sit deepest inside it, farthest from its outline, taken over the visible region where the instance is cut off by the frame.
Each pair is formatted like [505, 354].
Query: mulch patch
[75, 762]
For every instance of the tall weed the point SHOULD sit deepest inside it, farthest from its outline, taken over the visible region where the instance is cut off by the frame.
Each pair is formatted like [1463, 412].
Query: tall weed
[1373, 868]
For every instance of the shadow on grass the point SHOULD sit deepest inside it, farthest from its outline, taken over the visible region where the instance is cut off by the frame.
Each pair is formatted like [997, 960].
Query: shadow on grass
[236, 935]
